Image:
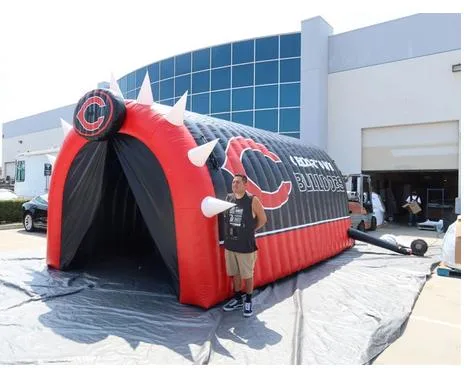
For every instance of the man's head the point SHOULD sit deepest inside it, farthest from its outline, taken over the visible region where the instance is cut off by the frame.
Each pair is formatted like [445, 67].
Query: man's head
[414, 192]
[239, 184]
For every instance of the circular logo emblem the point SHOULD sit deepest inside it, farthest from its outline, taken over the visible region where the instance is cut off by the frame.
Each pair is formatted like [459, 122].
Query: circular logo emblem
[236, 147]
[99, 114]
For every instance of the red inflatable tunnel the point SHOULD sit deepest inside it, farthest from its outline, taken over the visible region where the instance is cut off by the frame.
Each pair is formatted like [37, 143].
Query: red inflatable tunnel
[130, 170]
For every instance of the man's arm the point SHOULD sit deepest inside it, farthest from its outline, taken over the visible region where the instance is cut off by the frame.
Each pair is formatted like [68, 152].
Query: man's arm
[258, 210]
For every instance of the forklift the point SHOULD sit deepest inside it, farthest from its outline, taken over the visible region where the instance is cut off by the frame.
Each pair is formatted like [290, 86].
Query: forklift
[361, 209]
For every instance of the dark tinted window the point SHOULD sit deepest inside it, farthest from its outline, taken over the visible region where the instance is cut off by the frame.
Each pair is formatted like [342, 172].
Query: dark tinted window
[167, 68]
[267, 72]
[167, 89]
[290, 70]
[267, 48]
[266, 119]
[220, 78]
[266, 96]
[182, 84]
[290, 95]
[200, 82]
[289, 120]
[183, 63]
[220, 56]
[242, 99]
[225, 116]
[243, 52]
[242, 75]
[153, 72]
[200, 103]
[290, 45]
[243, 117]
[220, 101]
[201, 59]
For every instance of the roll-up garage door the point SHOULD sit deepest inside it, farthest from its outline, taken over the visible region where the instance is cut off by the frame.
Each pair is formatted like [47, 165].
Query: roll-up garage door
[431, 146]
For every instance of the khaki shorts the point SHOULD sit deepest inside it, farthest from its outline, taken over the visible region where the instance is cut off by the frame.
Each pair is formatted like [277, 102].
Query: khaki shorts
[241, 264]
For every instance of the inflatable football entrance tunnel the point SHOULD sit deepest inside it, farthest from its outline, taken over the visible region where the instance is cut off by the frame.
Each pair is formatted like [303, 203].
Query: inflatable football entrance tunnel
[149, 172]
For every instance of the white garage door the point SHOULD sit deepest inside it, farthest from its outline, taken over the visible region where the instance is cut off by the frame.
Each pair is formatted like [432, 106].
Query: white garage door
[432, 146]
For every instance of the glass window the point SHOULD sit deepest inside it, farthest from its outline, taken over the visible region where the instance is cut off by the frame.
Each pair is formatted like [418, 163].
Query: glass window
[167, 89]
[290, 45]
[123, 84]
[289, 120]
[169, 102]
[183, 63]
[222, 116]
[201, 59]
[132, 95]
[131, 81]
[290, 70]
[20, 171]
[220, 78]
[167, 68]
[154, 72]
[243, 52]
[242, 99]
[137, 90]
[242, 75]
[220, 56]
[243, 117]
[266, 119]
[294, 135]
[139, 75]
[267, 72]
[220, 101]
[290, 95]
[267, 48]
[200, 103]
[155, 90]
[182, 84]
[200, 82]
[266, 96]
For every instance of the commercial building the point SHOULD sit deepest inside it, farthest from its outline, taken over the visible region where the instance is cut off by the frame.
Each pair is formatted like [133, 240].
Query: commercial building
[383, 100]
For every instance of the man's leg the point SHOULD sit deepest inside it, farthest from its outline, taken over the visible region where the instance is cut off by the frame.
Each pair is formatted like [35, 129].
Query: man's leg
[233, 270]
[247, 264]
[237, 284]
[249, 286]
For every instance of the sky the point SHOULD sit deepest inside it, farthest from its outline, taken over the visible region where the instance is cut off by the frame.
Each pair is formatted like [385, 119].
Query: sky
[53, 52]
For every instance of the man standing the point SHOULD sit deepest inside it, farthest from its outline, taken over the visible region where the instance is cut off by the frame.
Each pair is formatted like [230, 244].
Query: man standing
[241, 223]
[414, 197]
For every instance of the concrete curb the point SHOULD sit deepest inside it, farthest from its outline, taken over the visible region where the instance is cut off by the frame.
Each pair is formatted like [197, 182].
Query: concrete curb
[16, 225]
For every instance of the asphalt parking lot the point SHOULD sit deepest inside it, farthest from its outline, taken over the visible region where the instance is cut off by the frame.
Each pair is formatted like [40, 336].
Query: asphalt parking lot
[431, 336]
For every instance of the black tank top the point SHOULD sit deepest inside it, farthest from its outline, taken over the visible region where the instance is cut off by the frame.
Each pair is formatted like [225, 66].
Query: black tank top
[240, 225]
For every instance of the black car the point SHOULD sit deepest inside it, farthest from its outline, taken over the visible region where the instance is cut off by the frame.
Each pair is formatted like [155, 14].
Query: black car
[35, 213]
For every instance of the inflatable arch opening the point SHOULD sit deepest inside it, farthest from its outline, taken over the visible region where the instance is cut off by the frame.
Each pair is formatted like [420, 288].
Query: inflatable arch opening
[133, 177]
[116, 202]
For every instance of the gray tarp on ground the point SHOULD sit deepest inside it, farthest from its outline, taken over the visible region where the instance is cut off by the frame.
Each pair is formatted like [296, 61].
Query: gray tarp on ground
[344, 311]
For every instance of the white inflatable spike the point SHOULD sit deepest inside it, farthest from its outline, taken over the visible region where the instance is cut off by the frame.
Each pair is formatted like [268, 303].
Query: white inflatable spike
[176, 115]
[114, 86]
[145, 96]
[51, 158]
[66, 127]
[211, 206]
[200, 154]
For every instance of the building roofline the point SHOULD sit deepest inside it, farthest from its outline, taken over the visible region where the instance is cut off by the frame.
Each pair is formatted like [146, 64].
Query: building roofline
[387, 21]
[38, 114]
[209, 47]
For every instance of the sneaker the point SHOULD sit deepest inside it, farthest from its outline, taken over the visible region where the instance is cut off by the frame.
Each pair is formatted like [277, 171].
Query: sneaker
[247, 312]
[233, 304]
